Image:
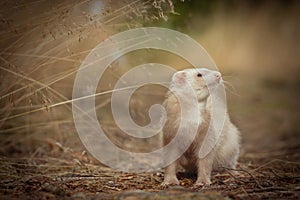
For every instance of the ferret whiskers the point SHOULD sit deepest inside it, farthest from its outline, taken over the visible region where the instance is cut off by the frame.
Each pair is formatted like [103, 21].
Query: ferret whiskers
[230, 88]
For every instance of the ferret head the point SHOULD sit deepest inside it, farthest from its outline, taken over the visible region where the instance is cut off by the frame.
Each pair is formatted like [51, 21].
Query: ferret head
[202, 81]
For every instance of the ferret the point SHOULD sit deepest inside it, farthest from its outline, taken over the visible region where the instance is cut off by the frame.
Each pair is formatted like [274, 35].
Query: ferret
[225, 151]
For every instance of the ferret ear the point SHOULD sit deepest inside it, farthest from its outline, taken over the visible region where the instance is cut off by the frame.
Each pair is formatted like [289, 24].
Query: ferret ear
[179, 78]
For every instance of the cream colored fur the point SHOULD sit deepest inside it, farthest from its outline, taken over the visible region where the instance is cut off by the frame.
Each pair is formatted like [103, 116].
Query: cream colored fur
[226, 151]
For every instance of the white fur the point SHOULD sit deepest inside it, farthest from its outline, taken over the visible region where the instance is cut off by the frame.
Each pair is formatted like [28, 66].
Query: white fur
[224, 149]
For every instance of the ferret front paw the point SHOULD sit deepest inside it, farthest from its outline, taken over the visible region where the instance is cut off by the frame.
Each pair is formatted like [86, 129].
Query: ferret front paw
[170, 181]
[201, 182]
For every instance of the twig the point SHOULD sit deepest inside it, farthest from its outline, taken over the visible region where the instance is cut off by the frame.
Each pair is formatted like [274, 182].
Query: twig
[267, 189]
[243, 170]
[275, 160]
[245, 191]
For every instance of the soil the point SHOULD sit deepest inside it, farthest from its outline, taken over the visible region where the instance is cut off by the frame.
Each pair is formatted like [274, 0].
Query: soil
[269, 166]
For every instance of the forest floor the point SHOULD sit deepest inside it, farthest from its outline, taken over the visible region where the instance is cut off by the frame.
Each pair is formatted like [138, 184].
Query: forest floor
[41, 156]
[269, 165]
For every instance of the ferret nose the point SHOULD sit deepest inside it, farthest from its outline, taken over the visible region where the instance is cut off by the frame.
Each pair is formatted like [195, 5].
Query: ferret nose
[218, 75]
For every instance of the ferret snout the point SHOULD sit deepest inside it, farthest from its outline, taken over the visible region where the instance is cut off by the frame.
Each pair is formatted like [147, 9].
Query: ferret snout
[218, 76]
[213, 78]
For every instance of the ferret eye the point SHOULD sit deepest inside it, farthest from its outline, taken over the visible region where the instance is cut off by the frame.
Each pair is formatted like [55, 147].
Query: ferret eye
[199, 75]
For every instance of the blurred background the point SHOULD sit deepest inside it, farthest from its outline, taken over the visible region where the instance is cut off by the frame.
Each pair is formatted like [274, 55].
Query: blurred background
[255, 45]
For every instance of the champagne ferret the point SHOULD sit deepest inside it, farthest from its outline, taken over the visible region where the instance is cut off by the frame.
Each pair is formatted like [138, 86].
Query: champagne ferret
[226, 150]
